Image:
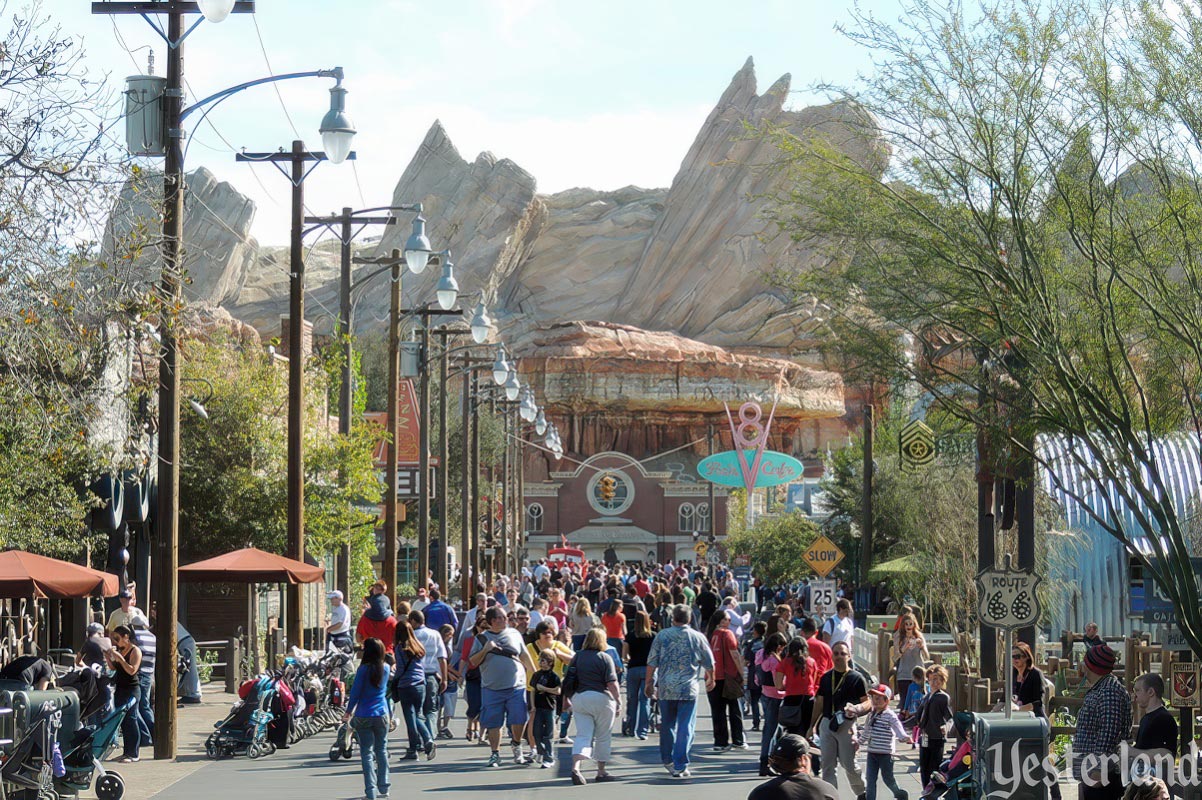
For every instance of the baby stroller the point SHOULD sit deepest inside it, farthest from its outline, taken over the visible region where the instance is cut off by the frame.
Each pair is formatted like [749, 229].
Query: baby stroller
[85, 752]
[245, 729]
[954, 777]
[26, 769]
[344, 742]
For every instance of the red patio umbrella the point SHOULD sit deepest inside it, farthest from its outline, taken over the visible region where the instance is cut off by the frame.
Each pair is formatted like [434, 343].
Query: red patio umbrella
[25, 574]
[251, 565]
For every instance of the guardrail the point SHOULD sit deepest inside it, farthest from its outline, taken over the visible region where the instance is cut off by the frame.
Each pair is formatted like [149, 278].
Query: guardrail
[230, 660]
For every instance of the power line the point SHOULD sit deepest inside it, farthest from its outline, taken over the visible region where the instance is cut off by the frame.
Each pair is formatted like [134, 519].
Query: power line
[271, 72]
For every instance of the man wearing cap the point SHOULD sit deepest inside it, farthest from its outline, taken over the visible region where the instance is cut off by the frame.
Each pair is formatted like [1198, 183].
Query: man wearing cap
[378, 621]
[790, 759]
[1102, 726]
[338, 621]
[123, 615]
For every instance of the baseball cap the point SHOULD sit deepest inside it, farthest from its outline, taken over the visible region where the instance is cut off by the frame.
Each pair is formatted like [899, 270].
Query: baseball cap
[333, 594]
[125, 595]
[790, 747]
[95, 628]
[138, 621]
[883, 690]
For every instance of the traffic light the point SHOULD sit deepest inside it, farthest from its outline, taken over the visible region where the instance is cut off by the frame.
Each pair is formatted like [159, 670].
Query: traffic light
[608, 487]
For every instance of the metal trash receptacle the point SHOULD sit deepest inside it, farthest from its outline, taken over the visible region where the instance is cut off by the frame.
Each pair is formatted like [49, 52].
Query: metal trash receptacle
[1008, 755]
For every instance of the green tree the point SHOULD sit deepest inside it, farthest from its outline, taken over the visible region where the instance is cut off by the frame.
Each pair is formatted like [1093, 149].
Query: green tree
[775, 546]
[1033, 241]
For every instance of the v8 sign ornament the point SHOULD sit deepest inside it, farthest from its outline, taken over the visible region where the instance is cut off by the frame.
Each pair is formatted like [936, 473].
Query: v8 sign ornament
[1007, 598]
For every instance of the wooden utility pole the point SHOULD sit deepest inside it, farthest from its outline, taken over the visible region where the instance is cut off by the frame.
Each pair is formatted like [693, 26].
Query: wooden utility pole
[866, 502]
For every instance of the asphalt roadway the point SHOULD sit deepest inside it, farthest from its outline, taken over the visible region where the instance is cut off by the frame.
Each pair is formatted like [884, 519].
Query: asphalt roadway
[304, 772]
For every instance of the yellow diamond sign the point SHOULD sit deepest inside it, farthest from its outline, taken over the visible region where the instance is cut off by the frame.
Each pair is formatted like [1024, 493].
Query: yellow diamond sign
[822, 556]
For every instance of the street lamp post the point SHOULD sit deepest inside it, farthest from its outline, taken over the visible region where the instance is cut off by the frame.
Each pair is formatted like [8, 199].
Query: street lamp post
[336, 133]
[343, 226]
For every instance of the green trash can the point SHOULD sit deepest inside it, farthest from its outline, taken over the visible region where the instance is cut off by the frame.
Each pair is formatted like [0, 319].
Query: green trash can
[1008, 755]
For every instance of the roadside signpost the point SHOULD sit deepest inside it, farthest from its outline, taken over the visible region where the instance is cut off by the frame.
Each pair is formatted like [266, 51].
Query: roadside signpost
[1006, 599]
[822, 597]
[823, 556]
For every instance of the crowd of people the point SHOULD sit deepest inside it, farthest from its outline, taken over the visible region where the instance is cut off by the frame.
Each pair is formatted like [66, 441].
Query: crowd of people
[632, 649]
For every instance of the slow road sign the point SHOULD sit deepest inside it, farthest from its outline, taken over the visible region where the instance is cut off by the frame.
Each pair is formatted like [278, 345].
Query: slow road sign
[822, 556]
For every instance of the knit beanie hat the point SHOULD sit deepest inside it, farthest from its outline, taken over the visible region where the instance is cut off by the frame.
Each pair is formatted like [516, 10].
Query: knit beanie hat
[1100, 659]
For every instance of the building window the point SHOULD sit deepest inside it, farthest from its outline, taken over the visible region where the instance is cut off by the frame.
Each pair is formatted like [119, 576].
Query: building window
[703, 517]
[534, 518]
[606, 502]
[686, 518]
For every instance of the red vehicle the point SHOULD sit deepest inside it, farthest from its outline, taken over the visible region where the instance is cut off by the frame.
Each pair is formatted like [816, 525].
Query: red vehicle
[557, 557]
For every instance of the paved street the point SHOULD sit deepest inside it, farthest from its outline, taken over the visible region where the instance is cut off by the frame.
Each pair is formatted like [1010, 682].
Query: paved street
[305, 772]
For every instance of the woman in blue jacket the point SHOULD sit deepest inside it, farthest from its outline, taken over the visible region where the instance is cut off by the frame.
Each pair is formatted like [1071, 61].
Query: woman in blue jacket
[368, 713]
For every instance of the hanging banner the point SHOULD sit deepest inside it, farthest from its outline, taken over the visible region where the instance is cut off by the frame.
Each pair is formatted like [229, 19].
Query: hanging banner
[916, 446]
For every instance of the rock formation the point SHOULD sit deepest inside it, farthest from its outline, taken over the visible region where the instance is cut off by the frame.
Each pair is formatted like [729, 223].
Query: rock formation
[218, 248]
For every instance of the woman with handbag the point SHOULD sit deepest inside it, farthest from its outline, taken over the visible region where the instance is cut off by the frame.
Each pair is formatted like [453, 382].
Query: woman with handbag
[796, 677]
[590, 689]
[728, 685]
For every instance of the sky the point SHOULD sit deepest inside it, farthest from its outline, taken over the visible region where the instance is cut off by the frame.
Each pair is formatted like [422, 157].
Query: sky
[601, 95]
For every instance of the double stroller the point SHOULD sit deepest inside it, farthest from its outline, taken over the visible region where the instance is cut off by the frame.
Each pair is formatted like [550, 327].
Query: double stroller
[258, 724]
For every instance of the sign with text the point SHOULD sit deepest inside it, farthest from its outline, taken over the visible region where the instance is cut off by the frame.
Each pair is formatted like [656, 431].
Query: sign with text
[822, 556]
[822, 597]
[773, 468]
[1007, 599]
[1185, 692]
[1174, 640]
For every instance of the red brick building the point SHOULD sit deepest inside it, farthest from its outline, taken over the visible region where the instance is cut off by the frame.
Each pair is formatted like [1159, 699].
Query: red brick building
[652, 515]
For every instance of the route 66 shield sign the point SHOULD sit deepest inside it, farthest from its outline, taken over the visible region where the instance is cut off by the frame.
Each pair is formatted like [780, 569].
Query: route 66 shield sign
[1006, 598]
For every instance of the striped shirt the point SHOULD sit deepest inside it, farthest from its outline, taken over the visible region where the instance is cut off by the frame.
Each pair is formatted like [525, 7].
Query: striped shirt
[881, 731]
[147, 644]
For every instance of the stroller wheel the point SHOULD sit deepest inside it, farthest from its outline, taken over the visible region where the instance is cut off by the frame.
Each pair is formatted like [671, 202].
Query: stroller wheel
[271, 748]
[255, 750]
[110, 786]
[335, 753]
[347, 752]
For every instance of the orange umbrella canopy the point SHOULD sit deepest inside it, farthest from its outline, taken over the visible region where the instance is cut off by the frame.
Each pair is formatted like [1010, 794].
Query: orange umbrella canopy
[251, 565]
[25, 574]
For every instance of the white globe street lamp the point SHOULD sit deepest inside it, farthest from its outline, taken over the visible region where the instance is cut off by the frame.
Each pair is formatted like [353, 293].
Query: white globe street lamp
[448, 287]
[481, 327]
[512, 386]
[337, 130]
[540, 422]
[215, 10]
[500, 369]
[528, 410]
[417, 247]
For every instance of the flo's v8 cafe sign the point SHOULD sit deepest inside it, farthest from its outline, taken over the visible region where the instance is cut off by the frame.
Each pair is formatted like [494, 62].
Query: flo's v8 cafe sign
[774, 468]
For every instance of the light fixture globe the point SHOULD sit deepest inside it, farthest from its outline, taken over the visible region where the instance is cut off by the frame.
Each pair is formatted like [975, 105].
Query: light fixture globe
[337, 130]
[540, 422]
[215, 10]
[528, 410]
[513, 386]
[448, 287]
[500, 369]
[417, 247]
[482, 327]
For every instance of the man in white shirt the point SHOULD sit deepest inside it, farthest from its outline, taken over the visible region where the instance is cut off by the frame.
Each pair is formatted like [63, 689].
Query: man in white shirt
[542, 571]
[839, 627]
[338, 621]
[435, 665]
[421, 601]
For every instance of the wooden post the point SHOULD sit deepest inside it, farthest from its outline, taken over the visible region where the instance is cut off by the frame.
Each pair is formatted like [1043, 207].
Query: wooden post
[866, 498]
[233, 657]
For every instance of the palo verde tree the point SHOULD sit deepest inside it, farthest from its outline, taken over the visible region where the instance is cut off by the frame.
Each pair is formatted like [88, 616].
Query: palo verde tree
[1033, 241]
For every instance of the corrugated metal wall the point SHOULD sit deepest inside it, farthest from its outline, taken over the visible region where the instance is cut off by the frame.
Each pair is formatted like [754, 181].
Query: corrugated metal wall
[1097, 574]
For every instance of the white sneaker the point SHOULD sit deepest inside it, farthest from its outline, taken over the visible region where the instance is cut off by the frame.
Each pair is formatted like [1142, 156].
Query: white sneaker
[518, 756]
[684, 773]
[668, 765]
[742, 746]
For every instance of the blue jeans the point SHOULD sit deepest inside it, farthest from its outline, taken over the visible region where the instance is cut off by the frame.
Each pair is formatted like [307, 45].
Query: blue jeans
[145, 711]
[638, 705]
[373, 753]
[431, 702]
[413, 698]
[882, 765]
[678, 723]
[130, 736]
[543, 731]
[771, 707]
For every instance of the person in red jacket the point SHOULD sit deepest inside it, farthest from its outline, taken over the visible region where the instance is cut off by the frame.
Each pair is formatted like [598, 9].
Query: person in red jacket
[820, 651]
[378, 621]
